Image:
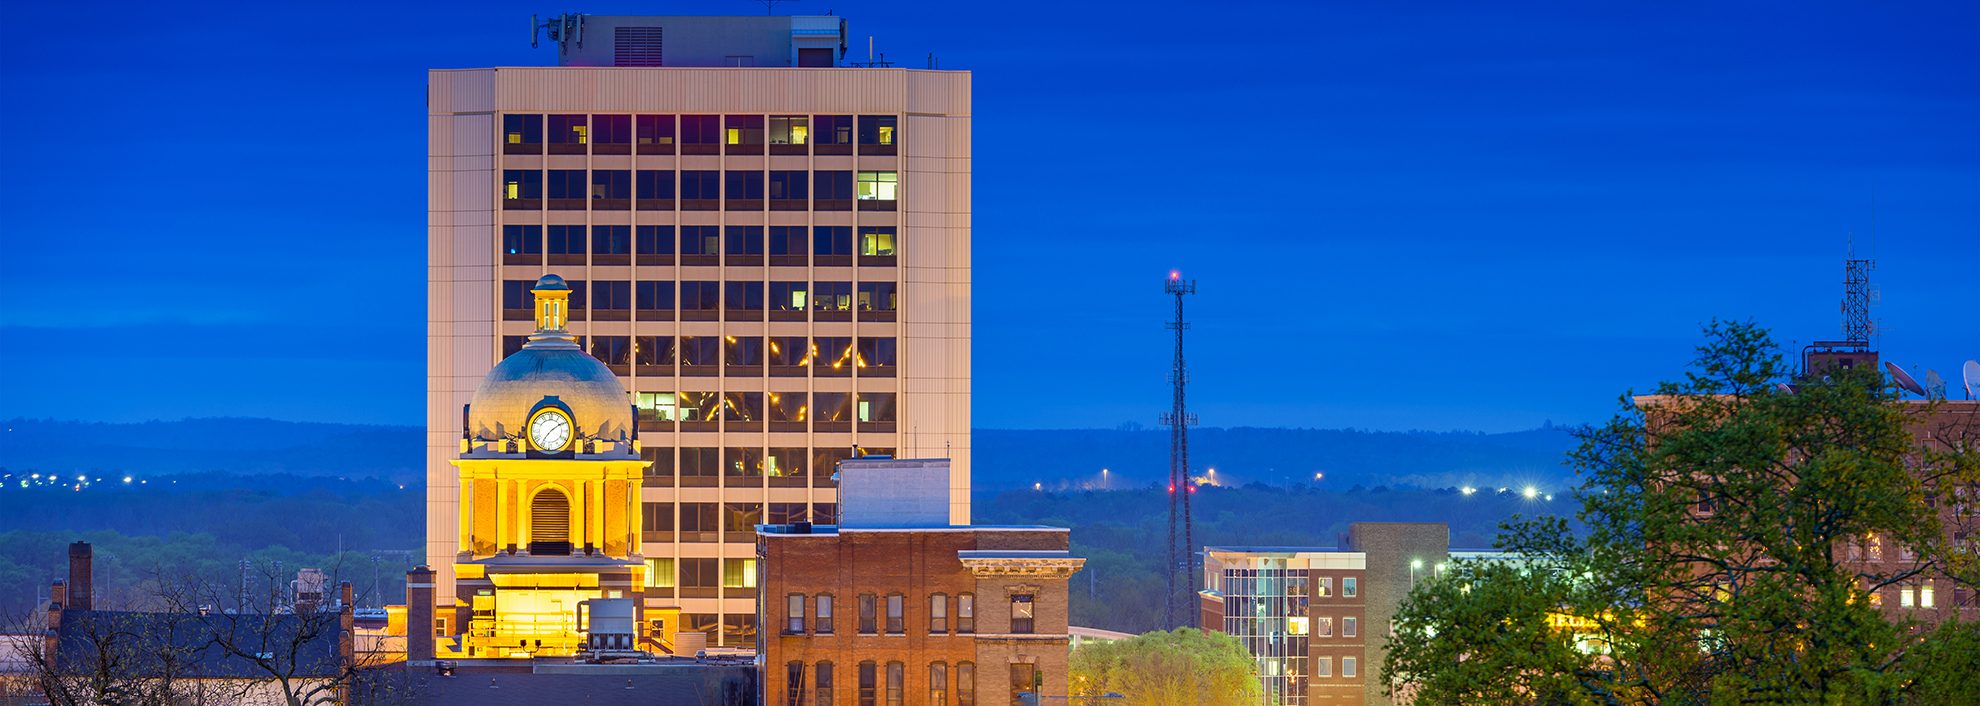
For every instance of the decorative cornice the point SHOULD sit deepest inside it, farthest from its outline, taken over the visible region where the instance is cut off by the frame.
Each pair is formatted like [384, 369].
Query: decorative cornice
[1057, 568]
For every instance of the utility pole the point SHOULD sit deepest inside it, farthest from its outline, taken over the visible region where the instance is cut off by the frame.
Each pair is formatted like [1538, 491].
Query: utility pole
[1179, 420]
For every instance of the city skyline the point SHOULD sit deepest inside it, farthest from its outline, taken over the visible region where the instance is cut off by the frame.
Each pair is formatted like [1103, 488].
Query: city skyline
[1460, 221]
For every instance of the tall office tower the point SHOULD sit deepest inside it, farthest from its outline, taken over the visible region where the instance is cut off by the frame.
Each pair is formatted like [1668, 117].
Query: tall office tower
[768, 244]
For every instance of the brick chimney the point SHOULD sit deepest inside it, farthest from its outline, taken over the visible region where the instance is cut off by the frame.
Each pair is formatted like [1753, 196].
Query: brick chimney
[81, 586]
[346, 626]
[419, 616]
[58, 595]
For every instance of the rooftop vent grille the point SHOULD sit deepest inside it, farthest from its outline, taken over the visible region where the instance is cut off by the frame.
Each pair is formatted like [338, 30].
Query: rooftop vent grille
[636, 46]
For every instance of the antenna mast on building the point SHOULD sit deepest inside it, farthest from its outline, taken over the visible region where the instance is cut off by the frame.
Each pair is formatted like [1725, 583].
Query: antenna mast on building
[1856, 300]
[1179, 420]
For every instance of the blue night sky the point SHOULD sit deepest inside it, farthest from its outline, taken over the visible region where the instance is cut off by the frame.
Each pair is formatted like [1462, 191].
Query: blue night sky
[1400, 214]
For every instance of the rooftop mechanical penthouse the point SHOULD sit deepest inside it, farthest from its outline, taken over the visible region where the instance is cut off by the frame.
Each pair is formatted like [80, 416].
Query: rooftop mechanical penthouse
[767, 246]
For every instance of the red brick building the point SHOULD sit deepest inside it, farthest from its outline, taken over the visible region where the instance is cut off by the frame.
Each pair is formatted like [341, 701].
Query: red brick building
[893, 608]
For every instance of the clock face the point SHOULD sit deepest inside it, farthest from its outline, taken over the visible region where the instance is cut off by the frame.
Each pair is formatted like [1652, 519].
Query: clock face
[550, 430]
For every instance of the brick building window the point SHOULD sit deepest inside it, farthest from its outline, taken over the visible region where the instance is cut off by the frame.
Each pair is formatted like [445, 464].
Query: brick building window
[1323, 666]
[1022, 617]
[794, 618]
[1323, 586]
[1350, 626]
[1349, 586]
[965, 684]
[896, 683]
[938, 614]
[823, 686]
[823, 624]
[794, 684]
[1024, 680]
[896, 614]
[1347, 666]
[868, 610]
[938, 684]
[965, 615]
[869, 681]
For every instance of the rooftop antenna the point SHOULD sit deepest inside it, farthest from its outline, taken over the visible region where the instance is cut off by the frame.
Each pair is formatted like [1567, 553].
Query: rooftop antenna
[1856, 298]
[1179, 420]
[1970, 372]
[770, 5]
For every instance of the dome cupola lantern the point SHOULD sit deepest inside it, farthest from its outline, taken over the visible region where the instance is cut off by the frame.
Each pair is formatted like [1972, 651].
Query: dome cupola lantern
[588, 414]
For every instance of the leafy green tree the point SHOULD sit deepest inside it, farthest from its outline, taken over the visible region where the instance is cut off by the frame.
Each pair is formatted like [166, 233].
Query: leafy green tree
[1185, 667]
[1721, 516]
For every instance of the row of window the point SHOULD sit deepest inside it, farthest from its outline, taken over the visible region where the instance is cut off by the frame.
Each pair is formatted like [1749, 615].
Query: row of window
[740, 467]
[698, 245]
[701, 300]
[1324, 667]
[1321, 626]
[820, 623]
[800, 690]
[698, 190]
[829, 411]
[701, 573]
[785, 356]
[704, 523]
[699, 134]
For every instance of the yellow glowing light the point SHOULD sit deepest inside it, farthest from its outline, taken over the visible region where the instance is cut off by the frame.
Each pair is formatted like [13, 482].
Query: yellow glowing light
[1530, 492]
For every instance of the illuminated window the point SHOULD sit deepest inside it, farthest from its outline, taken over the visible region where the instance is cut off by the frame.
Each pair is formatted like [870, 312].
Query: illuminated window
[522, 134]
[1349, 586]
[522, 185]
[876, 354]
[1296, 625]
[878, 131]
[789, 296]
[1347, 667]
[1024, 680]
[660, 572]
[877, 186]
[1022, 615]
[789, 352]
[832, 296]
[567, 134]
[744, 463]
[790, 130]
[739, 573]
[1349, 626]
[938, 684]
[1323, 586]
[1875, 546]
[965, 684]
[1925, 596]
[1904, 597]
[876, 242]
[743, 134]
[833, 355]
[896, 620]
[876, 407]
[823, 624]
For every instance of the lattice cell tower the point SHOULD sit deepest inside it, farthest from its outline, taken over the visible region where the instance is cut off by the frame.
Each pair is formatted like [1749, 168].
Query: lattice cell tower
[1182, 545]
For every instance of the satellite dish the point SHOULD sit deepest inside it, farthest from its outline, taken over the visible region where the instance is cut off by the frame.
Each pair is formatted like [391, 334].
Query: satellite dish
[1971, 371]
[1904, 379]
[1935, 386]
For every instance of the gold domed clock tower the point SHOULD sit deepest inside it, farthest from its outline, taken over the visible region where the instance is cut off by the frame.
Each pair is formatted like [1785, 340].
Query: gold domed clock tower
[549, 475]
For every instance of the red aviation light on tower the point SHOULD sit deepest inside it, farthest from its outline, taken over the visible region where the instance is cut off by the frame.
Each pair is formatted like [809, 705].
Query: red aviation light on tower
[1172, 489]
[1175, 275]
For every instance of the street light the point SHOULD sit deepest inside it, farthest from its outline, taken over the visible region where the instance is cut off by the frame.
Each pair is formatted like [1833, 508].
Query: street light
[1414, 564]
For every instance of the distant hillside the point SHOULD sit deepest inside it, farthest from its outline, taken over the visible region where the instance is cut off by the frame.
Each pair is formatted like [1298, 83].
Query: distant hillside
[214, 445]
[1348, 457]
[1005, 458]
